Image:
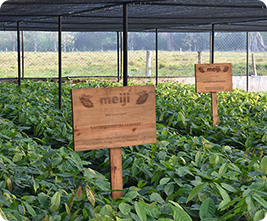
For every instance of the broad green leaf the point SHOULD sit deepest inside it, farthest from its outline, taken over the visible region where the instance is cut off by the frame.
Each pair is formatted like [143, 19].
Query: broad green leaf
[264, 138]
[223, 169]
[207, 209]
[131, 194]
[55, 201]
[224, 195]
[168, 189]
[163, 181]
[43, 200]
[156, 197]
[141, 212]
[259, 215]
[264, 164]
[74, 214]
[260, 200]
[124, 208]
[67, 209]
[30, 209]
[106, 210]
[198, 159]
[179, 214]
[195, 191]
[228, 187]
[3, 214]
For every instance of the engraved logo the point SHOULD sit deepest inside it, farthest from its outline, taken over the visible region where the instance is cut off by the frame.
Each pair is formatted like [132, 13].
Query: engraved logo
[143, 96]
[86, 102]
[201, 70]
[225, 69]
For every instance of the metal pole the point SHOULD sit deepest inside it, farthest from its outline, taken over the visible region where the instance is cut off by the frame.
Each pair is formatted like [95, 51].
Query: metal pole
[157, 57]
[118, 55]
[59, 62]
[121, 37]
[125, 44]
[18, 45]
[247, 45]
[212, 45]
[22, 55]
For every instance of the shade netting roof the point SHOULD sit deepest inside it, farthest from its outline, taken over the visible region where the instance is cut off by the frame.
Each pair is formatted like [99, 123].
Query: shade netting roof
[143, 15]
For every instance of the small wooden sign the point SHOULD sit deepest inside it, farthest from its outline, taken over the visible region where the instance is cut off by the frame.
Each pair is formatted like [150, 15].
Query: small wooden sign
[113, 117]
[213, 77]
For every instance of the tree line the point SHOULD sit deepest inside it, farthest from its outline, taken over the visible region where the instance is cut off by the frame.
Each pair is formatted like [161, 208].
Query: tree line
[102, 41]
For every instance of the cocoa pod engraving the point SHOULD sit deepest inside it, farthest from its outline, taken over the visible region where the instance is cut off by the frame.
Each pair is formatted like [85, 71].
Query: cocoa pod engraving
[142, 97]
[201, 70]
[225, 69]
[85, 100]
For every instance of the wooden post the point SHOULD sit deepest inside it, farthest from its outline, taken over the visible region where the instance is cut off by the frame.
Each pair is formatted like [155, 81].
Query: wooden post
[214, 102]
[215, 117]
[254, 65]
[199, 55]
[116, 172]
[148, 63]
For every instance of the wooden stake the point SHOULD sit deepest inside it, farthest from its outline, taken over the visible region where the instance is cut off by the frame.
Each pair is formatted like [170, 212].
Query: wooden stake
[116, 172]
[214, 104]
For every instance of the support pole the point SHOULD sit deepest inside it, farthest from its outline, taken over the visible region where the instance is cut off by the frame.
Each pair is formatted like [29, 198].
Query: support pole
[115, 153]
[125, 44]
[18, 46]
[121, 67]
[247, 45]
[22, 55]
[157, 58]
[212, 44]
[118, 56]
[59, 62]
[214, 104]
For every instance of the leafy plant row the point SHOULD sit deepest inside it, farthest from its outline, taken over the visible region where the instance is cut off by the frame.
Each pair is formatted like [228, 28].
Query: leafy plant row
[194, 172]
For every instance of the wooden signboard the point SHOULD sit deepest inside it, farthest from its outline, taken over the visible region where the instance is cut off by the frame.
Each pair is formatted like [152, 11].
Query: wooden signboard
[213, 77]
[113, 117]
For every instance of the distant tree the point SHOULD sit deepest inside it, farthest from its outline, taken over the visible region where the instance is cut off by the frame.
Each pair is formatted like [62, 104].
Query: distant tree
[257, 42]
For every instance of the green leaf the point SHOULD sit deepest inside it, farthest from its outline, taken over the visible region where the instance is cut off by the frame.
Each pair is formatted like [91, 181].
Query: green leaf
[2, 214]
[228, 187]
[195, 191]
[179, 214]
[124, 208]
[155, 197]
[42, 198]
[259, 215]
[30, 209]
[67, 209]
[140, 211]
[55, 201]
[224, 195]
[207, 209]
[264, 164]
[260, 200]
[75, 214]
[223, 169]
[163, 181]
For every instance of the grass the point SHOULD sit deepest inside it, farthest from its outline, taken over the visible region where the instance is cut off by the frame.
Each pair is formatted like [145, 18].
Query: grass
[170, 63]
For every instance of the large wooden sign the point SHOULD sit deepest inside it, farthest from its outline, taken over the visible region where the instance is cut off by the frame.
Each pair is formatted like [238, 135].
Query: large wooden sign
[113, 117]
[213, 77]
